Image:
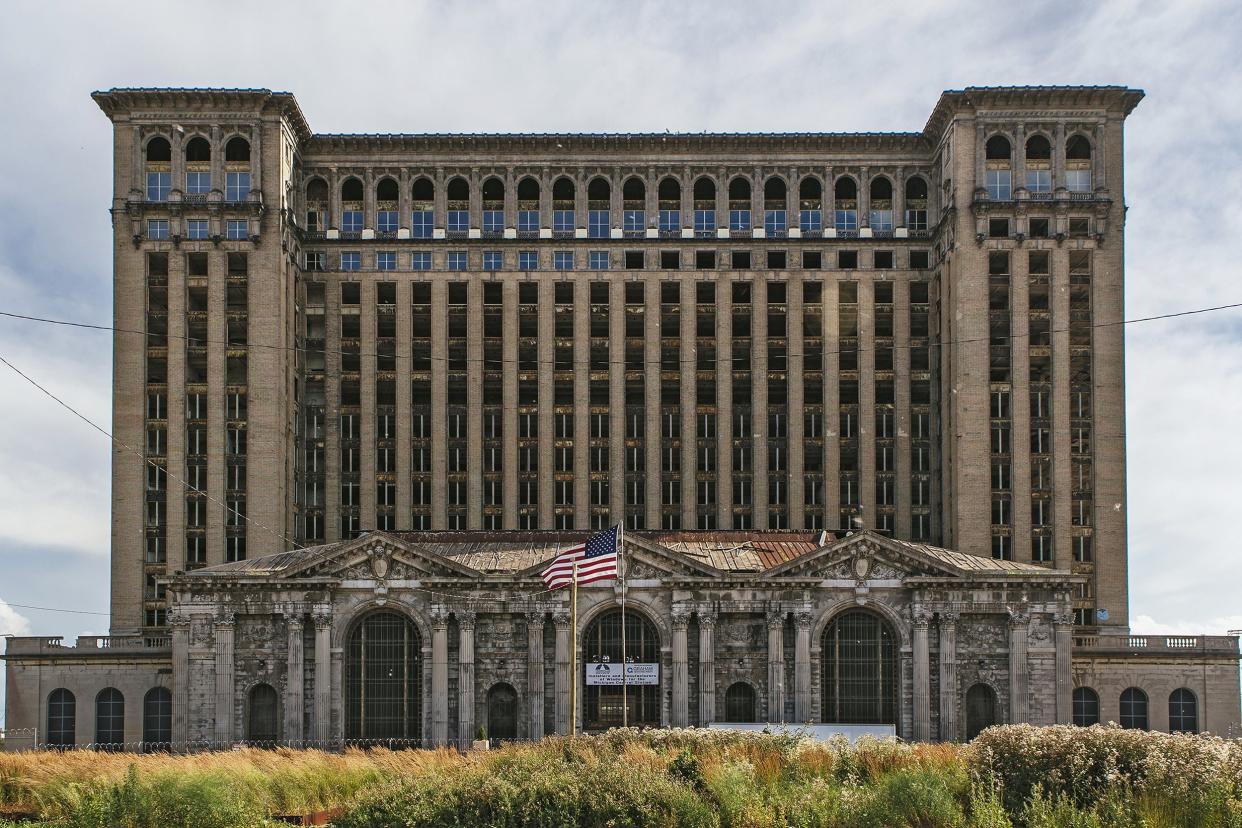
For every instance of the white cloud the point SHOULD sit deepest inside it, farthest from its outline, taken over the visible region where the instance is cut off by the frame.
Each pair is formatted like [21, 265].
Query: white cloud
[12, 622]
[1146, 625]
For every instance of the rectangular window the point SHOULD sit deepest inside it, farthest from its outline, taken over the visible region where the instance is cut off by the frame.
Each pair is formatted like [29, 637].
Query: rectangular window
[196, 228]
[493, 222]
[999, 185]
[528, 260]
[597, 224]
[882, 221]
[158, 186]
[420, 261]
[456, 260]
[351, 260]
[1039, 181]
[421, 224]
[385, 261]
[563, 260]
[739, 221]
[157, 229]
[670, 222]
[634, 221]
[458, 221]
[236, 186]
[704, 223]
[528, 222]
[846, 221]
[351, 221]
[237, 229]
[811, 221]
[492, 260]
[386, 221]
[197, 183]
[598, 260]
[1078, 181]
[774, 223]
[563, 222]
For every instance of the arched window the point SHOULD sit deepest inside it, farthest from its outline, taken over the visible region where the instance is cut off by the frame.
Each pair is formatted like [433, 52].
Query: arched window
[739, 205]
[564, 219]
[317, 191]
[704, 208]
[528, 190]
[383, 680]
[810, 189]
[494, 207]
[1086, 707]
[263, 716]
[458, 190]
[916, 188]
[62, 716]
[197, 150]
[157, 720]
[1183, 712]
[501, 712]
[997, 148]
[599, 221]
[528, 207]
[458, 218]
[601, 660]
[237, 150]
[159, 151]
[860, 670]
[1078, 164]
[740, 703]
[810, 205]
[564, 191]
[386, 214]
[634, 214]
[422, 216]
[351, 191]
[774, 217]
[980, 709]
[1133, 709]
[845, 216]
[634, 191]
[916, 203]
[1038, 165]
[351, 206]
[704, 190]
[881, 204]
[669, 196]
[109, 719]
[159, 169]
[1038, 148]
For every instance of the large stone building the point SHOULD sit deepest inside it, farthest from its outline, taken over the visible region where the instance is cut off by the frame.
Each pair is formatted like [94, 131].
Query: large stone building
[858, 400]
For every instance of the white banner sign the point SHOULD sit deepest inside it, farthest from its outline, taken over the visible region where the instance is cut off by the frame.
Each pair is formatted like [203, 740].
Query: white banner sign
[605, 674]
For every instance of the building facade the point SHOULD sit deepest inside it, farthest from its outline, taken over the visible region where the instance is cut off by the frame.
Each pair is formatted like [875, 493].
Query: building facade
[332, 340]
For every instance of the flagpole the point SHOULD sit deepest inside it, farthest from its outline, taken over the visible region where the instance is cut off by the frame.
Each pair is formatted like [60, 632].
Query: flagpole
[625, 678]
[573, 655]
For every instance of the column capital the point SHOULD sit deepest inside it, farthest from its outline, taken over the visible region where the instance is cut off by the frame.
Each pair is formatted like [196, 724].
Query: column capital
[775, 619]
[804, 618]
[323, 621]
[561, 619]
[439, 617]
[707, 618]
[226, 622]
[921, 617]
[536, 615]
[178, 619]
[466, 619]
[1018, 619]
[948, 619]
[680, 618]
[1063, 620]
[294, 620]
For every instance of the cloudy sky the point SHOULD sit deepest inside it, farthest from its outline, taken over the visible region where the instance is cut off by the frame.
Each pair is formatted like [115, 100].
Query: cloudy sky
[479, 66]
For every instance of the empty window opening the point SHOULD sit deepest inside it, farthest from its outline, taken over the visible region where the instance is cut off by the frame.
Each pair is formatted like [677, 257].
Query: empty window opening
[159, 151]
[997, 148]
[197, 149]
[705, 259]
[847, 259]
[741, 259]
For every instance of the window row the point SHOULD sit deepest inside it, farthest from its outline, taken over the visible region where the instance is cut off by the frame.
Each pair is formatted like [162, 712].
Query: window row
[199, 229]
[110, 720]
[1133, 710]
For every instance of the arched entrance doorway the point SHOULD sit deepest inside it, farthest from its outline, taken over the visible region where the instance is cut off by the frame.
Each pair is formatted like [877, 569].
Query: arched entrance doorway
[740, 703]
[602, 682]
[502, 712]
[383, 681]
[860, 670]
[980, 709]
[262, 716]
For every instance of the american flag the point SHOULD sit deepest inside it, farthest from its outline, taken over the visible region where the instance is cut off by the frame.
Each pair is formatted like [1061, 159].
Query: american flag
[596, 559]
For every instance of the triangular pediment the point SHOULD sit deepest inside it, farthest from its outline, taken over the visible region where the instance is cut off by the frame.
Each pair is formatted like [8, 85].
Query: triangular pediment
[378, 556]
[864, 556]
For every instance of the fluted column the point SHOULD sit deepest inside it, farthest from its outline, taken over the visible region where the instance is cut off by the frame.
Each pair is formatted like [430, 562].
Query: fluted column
[681, 677]
[802, 667]
[1063, 626]
[922, 677]
[707, 669]
[465, 679]
[323, 679]
[439, 677]
[293, 679]
[561, 685]
[1018, 624]
[948, 676]
[776, 666]
[224, 680]
[180, 624]
[534, 671]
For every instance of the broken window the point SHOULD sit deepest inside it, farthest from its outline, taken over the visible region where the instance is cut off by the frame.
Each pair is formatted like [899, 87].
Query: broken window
[774, 216]
[599, 201]
[1078, 164]
[776, 259]
[635, 260]
[237, 150]
[847, 259]
[386, 206]
[705, 259]
[493, 207]
[458, 215]
[1038, 165]
[998, 175]
[810, 205]
[158, 169]
[1038, 227]
[670, 259]
[998, 228]
[812, 260]
[528, 207]
[919, 260]
[669, 197]
[883, 260]
[351, 206]
[740, 259]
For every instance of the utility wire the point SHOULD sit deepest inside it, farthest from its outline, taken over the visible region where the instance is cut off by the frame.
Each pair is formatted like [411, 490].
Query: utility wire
[52, 609]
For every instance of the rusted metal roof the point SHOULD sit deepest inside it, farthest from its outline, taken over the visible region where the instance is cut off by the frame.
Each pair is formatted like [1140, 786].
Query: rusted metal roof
[968, 562]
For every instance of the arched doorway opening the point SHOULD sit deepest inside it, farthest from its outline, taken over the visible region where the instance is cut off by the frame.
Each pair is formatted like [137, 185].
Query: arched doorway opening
[602, 678]
[980, 709]
[502, 712]
[383, 681]
[740, 703]
[860, 670]
[263, 716]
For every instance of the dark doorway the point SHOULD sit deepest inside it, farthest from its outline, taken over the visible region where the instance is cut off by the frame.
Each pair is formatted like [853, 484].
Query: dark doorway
[263, 716]
[502, 713]
[740, 703]
[980, 709]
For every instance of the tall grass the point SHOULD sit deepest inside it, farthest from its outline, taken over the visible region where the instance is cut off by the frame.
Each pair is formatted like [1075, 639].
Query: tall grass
[1011, 777]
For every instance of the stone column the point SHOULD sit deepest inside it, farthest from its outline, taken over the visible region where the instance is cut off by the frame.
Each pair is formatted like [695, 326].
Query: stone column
[922, 677]
[323, 679]
[534, 671]
[293, 680]
[1063, 626]
[776, 666]
[948, 676]
[681, 687]
[561, 686]
[180, 624]
[802, 667]
[224, 680]
[465, 679]
[439, 677]
[1018, 623]
[707, 669]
